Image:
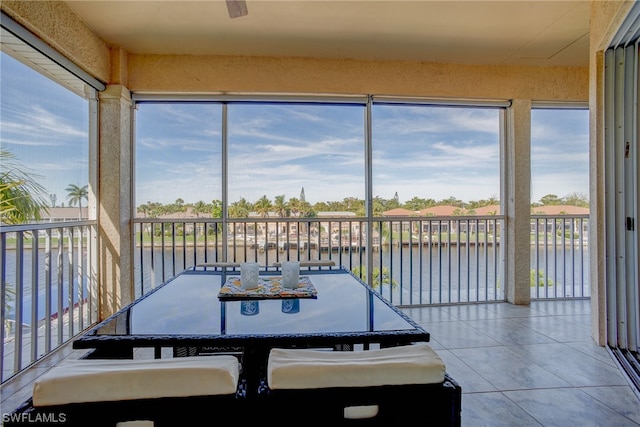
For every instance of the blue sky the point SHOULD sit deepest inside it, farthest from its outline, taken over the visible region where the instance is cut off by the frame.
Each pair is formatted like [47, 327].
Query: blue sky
[559, 152]
[45, 126]
[277, 149]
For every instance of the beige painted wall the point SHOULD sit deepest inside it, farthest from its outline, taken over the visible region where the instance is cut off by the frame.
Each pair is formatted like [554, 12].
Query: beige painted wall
[155, 73]
[59, 27]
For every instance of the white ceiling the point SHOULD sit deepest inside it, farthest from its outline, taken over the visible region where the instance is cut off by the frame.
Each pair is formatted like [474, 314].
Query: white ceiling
[539, 32]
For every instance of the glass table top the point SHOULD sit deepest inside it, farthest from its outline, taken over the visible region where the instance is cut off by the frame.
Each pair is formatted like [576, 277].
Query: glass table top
[188, 305]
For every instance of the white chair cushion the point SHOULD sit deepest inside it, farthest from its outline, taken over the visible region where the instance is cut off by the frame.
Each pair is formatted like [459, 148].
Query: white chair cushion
[304, 369]
[360, 412]
[135, 424]
[97, 380]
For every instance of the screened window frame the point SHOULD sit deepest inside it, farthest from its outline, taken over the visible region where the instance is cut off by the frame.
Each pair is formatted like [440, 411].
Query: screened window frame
[367, 101]
[25, 47]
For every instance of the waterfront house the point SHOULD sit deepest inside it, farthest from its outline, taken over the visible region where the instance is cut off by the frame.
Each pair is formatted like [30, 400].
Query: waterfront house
[569, 219]
[440, 211]
[400, 212]
[559, 210]
[404, 225]
[59, 214]
[487, 210]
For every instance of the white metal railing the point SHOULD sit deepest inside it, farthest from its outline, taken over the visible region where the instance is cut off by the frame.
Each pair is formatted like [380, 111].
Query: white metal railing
[559, 256]
[47, 281]
[47, 289]
[415, 261]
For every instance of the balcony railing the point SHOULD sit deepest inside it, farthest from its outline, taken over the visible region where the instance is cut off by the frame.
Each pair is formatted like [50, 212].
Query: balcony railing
[415, 261]
[49, 282]
[48, 292]
[559, 256]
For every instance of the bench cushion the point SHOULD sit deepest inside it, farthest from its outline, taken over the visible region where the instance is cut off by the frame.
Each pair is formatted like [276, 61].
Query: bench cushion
[304, 369]
[95, 380]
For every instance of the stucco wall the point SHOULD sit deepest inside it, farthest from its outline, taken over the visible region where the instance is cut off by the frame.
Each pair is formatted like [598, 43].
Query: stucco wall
[58, 26]
[114, 222]
[155, 73]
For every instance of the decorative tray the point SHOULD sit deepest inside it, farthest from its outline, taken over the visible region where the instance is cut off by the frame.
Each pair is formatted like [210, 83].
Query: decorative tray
[268, 287]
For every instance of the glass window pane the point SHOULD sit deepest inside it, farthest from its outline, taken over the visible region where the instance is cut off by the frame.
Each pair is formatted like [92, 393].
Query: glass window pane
[560, 157]
[178, 157]
[45, 128]
[294, 152]
[425, 155]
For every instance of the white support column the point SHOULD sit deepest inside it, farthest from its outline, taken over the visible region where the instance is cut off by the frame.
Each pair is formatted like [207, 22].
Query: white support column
[114, 211]
[518, 203]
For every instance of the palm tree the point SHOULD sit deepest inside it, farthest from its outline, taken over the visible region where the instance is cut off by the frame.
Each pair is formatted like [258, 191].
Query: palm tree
[238, 210]
[305, 210]
[21, 198]
[281, 207]
[144, 208]
[199, 207]
[263, 206]
[294, 206]
[75, 194]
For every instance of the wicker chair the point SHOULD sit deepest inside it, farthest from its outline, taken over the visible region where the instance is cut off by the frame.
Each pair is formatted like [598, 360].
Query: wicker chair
[375, 387]
[100, 392]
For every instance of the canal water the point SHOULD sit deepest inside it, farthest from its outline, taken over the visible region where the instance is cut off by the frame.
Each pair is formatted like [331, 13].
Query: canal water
[416, 275]
[412, 275]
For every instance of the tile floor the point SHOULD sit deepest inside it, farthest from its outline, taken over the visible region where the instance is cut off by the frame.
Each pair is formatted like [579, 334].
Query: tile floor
[517, 366]
[529, 366]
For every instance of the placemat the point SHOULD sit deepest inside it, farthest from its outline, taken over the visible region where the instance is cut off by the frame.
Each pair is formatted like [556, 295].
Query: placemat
[268, 287]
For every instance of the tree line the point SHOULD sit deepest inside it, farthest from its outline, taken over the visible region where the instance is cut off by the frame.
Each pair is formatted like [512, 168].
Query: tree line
[295, 207]
[22, 200]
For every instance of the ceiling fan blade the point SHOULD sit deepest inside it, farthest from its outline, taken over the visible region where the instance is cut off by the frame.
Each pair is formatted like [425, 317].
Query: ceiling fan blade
[237, 8]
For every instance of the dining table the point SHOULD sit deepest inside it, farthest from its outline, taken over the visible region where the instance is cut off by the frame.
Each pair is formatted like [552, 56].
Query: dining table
[206, 310]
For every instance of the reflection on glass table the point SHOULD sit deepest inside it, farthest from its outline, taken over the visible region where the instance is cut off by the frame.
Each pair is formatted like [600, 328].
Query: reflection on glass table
[186, 311]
